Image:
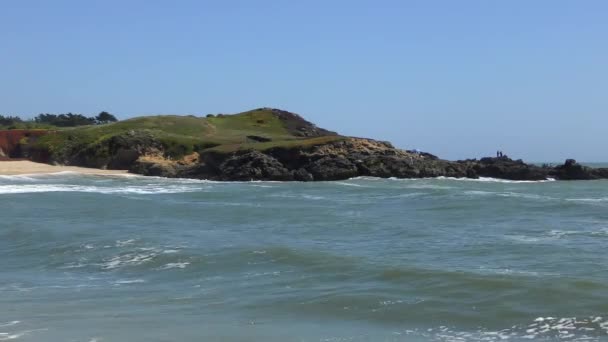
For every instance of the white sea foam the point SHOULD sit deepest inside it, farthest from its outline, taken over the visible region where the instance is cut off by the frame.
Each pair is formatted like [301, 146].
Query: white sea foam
[143, 190]
[463, 179]
[479, 193]
[409, 194]
[123, 243]
[558, 234]
[524, 195]
[262, 186]
[170, 251]
[350, 184]
[510, 271]
[492, 180]
[313, 197]
[525, 238]
[22, 178]
[14, 335]
[11, 336]
[542, 328]
[508, 194]
[601, 199]
[73, 265]
[129, 259]
[430, 186]
[129, 281]
[170, 265]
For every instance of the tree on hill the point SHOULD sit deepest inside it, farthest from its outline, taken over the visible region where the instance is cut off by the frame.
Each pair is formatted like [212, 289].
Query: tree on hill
[9, 120]
[64, 120]
[105, 117]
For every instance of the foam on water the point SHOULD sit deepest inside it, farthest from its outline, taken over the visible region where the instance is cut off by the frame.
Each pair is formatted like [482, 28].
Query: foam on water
[510, 194]
[492, 180]
[129, 281]
[9, 324]
[497, 180]
[180, 265]
[129, 259]
[593, 328]
[7, 332]
[140, 190]
[349, 184]
[601, 199]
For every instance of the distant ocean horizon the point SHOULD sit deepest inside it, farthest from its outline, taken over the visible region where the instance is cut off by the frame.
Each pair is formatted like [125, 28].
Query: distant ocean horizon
[131, 258]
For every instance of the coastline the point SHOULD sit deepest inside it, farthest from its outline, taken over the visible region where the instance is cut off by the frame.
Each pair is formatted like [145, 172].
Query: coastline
[25, 167]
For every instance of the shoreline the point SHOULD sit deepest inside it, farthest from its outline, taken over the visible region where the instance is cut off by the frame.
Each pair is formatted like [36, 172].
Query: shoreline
[25, 167]
[21, 167]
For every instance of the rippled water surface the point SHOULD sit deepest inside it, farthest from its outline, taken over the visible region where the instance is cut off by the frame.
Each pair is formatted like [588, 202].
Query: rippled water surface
[88, 258]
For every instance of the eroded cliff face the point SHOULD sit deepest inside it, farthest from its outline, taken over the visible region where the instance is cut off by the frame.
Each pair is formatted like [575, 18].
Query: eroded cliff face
[350, 157]
[12, 141]
[347, 158]
[341, 158]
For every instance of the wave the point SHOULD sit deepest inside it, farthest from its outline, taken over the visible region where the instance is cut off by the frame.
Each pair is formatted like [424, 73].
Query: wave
[556, 234]
[492, 180]
[143, 189]
[509, 194]
[601, 199]
[14, 335]
[29, 178]
[350, 184]
[459, 179]
[591, 328]
[9, 324]
[430, 187]
[129, 281]
[300, 196]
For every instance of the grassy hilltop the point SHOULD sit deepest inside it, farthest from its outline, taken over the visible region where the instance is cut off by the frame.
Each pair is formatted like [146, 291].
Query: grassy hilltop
[178, 136]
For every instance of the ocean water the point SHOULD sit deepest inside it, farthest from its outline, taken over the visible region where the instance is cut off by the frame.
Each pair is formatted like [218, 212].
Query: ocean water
[117, 258]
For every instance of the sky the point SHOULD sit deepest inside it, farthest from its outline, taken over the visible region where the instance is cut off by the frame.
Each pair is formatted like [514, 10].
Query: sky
[459, 79]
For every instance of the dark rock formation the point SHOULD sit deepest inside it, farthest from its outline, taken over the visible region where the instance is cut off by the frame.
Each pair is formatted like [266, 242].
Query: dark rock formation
[354, 157]
[343, 159]
[505, 168]
[253, 165]
[571, 170]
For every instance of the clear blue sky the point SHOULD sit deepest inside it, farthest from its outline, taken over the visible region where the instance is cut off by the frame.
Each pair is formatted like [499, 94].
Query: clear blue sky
[455, 78]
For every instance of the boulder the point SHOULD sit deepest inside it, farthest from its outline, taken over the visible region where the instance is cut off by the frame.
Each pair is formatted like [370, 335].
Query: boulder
[253, 165]
[571, 170]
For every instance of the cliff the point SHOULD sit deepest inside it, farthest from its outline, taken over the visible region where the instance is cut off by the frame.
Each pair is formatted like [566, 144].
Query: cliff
[13, 141]
[262, 144]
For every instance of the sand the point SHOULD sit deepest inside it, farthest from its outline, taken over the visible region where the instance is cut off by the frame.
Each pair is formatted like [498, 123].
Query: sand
[23, 167]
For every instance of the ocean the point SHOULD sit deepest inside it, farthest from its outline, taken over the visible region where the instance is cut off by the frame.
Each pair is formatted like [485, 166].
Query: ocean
[129, 258]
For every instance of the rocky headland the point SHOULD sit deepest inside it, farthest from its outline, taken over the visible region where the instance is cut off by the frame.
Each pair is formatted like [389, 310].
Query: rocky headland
[263, 144]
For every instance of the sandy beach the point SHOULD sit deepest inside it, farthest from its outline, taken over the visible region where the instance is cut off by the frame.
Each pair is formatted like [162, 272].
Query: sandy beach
[23, 167]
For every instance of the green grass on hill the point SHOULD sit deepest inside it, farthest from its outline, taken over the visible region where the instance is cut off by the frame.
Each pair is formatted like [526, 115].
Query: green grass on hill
[182, 135]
